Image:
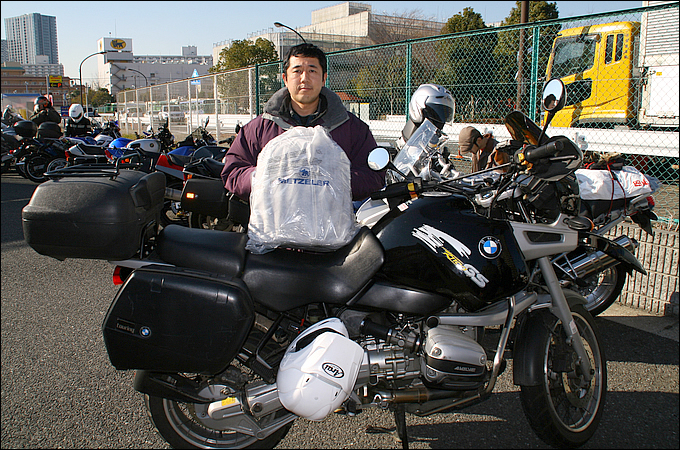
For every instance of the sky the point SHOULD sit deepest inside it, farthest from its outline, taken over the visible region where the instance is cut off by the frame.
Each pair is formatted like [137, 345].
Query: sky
[163, 28]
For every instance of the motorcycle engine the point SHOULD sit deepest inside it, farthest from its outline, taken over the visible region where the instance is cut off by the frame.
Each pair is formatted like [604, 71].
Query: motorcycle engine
[452, 360]
[448, 357]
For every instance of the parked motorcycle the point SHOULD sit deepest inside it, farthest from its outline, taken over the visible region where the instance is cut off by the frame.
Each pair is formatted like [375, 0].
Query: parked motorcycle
[40, 149]
[416, 314]
[10, 139]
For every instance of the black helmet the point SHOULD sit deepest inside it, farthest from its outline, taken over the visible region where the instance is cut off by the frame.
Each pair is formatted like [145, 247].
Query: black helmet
[433, 102]
[41, 102]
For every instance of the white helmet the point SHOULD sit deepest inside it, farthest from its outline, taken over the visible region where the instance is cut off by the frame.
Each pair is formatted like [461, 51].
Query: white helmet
[319, 370]
[75, 112]
[431, 101]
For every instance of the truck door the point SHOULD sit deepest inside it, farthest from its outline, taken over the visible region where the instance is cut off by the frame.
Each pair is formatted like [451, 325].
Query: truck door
[573, 61]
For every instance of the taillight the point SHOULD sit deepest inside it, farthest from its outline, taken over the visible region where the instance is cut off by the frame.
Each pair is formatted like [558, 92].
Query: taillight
[108, 154]
[650, 200]
[120, 274]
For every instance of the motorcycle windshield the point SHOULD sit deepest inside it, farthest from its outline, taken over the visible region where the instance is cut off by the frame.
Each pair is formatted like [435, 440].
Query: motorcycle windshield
[414, 158]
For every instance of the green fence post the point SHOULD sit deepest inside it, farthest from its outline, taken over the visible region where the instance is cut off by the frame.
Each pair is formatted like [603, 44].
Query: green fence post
[257, 89]
[535, 56]
[408, 76]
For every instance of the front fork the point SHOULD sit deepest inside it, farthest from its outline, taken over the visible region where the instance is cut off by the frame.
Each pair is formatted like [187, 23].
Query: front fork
[560, 308]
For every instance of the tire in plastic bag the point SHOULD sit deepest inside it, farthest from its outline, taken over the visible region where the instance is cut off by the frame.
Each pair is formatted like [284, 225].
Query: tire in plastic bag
[301, 194]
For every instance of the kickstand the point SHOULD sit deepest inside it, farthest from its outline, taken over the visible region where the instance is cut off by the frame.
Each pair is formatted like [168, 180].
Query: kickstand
[400, 421]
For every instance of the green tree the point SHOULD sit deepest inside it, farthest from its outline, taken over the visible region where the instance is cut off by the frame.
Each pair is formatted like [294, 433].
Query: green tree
[244, 54]
[468, 20]
[506, 52]
[467, 67]
[100, 97]
[233, 85]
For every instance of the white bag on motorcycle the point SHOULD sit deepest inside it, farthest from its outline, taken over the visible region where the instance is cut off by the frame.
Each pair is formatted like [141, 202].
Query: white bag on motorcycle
[600, 185]
[319, 370]
[301, 194]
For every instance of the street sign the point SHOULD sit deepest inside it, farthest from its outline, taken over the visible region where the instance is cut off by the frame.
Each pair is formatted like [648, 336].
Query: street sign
[195, 75]
[55, 81]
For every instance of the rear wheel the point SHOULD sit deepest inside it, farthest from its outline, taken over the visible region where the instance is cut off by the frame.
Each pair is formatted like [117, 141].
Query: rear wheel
[35, 167]
[565, 409]
[603, 289]
[188, 425]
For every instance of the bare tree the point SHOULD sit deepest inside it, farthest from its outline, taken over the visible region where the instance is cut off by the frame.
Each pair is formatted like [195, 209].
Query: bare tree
[385, 28]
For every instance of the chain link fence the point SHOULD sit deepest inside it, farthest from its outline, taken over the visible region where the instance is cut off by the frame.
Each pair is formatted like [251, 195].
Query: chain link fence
[620, 68]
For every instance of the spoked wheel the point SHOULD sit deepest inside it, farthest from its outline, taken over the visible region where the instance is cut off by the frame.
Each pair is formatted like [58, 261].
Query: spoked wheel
[185, 425]
[172, 212]
[35, 167]
[565, 409]
[603, 289]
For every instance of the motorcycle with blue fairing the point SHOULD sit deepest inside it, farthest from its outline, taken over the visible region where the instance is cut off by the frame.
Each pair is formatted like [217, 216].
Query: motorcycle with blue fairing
[417, 314]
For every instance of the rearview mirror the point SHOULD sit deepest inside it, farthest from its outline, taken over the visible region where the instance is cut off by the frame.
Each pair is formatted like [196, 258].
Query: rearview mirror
[378, 159]
[554, 95]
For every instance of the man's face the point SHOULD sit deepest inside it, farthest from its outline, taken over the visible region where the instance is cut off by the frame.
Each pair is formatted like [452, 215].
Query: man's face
[304, 79]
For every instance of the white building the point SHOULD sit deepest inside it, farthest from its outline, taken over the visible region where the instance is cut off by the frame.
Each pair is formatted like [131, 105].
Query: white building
[120, 68]
[344, 26]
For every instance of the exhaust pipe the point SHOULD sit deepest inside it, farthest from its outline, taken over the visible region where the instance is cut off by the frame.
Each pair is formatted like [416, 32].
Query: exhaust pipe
[587, 263]
[173, 194]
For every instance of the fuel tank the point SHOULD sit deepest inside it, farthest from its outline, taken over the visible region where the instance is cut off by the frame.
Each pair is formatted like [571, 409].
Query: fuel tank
[437, 243]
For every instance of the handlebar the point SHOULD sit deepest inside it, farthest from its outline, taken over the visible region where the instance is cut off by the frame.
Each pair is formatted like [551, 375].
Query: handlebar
[532, 155]
[401, 189]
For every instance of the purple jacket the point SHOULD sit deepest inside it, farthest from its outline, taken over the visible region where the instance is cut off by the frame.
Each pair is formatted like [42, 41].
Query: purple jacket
[347, 130]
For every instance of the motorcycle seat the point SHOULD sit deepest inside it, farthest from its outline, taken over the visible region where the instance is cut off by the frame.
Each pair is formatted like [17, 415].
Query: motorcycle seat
[178, 160]
[214, 167]
[284, 279]
[211, 251]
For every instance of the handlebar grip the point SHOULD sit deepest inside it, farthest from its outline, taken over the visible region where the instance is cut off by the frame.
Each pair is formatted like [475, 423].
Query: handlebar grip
[543, 151]
[405, 188]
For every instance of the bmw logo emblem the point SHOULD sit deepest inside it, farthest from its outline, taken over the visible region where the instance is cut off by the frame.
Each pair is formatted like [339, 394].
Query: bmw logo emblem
[490, 247]
[145, 331]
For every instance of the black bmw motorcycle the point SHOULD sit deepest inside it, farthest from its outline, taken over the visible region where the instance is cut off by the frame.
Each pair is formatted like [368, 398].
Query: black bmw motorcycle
[415, 315]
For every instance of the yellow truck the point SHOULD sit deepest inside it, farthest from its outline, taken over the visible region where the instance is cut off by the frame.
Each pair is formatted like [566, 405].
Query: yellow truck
[619, 73]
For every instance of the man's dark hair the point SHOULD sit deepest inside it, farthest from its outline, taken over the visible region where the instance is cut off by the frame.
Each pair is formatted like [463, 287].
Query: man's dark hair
[306, 51]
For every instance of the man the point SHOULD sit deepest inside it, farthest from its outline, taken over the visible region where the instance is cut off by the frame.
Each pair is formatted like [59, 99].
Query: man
[470, 140]
[77, 124]
[305, 101]
[44, 112]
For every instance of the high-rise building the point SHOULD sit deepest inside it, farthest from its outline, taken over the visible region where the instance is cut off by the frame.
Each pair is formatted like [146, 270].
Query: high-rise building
[31, 36]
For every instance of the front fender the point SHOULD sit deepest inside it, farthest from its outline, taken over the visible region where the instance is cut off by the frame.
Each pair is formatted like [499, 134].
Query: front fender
[530, 342]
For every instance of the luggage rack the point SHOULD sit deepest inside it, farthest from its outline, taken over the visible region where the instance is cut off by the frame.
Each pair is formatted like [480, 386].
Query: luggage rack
[110, 170]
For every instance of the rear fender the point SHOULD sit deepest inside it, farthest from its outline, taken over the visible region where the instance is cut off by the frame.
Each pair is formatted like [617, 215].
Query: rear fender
[618, 252]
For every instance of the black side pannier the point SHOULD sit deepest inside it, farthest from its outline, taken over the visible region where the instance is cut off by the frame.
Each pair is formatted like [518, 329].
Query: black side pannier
[94, 217]
[169, 319]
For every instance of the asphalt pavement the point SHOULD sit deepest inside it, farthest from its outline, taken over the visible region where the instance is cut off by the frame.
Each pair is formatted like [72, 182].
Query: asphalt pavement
[59, 389]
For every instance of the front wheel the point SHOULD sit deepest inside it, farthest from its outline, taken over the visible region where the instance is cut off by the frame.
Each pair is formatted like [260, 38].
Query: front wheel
[564, 410]
[603, 289]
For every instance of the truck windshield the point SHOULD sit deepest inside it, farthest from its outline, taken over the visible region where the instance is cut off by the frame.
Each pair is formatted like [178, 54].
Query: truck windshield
[573, 55]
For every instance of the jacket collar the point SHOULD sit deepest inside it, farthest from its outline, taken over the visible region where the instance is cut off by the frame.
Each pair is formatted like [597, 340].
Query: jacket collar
[278, 110]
